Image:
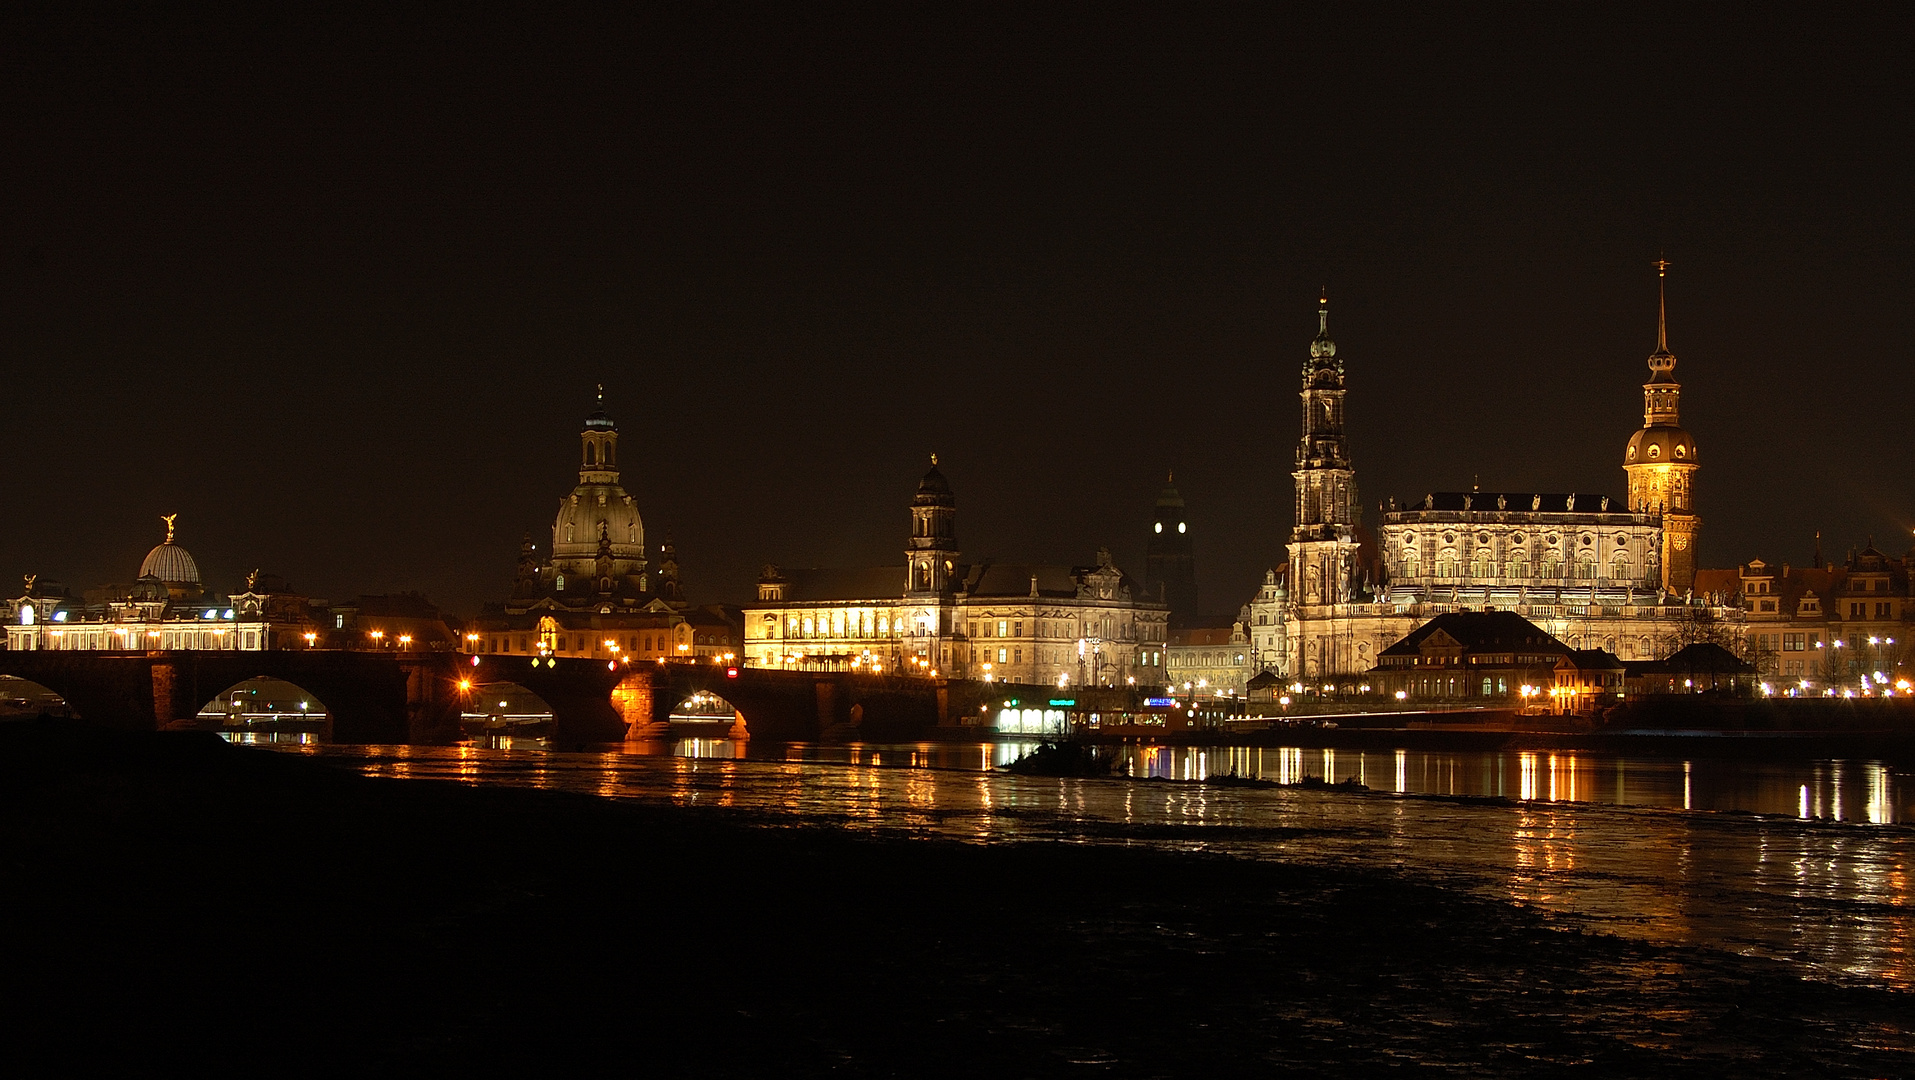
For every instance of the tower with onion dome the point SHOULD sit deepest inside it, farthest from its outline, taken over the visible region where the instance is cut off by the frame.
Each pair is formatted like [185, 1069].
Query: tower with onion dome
[1661, 457]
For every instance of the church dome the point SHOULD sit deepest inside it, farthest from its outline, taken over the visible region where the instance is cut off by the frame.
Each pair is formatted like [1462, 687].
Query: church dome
[575, 531]
[1660, 444]
[172, 564]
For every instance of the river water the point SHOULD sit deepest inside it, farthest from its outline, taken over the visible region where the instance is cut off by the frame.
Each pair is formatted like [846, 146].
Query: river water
[1810, 863]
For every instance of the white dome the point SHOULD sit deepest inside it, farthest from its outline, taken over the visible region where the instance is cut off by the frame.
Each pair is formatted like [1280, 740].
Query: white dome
[172, 564]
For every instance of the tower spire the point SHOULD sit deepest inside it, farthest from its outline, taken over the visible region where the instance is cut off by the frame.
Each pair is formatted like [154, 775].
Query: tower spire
[1662, 306]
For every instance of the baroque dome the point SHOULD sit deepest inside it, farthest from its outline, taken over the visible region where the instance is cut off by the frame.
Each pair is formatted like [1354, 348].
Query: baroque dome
[171, 563]
[1660, 444]
[575, 531]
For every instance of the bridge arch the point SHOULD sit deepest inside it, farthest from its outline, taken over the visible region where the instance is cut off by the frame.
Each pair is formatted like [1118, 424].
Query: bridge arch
[24, 697]
[264, 705]
[500, 707]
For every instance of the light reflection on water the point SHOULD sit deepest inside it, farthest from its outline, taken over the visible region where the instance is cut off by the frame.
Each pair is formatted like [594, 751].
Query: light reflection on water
[1537, 829]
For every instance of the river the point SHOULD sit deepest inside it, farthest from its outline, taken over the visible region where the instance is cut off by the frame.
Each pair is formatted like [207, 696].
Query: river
[1808, 863]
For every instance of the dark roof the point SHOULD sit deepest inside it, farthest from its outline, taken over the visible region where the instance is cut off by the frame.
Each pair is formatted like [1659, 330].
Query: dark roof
[1524, 501]
[1596, 660]
[1480, 630]
[1014, 579]
[1201, 635]
[1701, 658]
[857, 583]
[1717, 582]
[1261, 680]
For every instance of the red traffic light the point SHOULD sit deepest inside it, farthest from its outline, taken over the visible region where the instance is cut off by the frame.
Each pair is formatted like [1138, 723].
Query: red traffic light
[731, 673]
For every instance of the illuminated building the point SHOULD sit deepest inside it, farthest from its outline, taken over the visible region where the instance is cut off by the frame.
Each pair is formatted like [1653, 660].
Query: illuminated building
[1497, 658]
[166, 608]
[1268, 622]
[597, 594]
[934, 615]
[1594, 572]
[1661, 458]
[1830, 627]
[1326, 563]
[1210, 661]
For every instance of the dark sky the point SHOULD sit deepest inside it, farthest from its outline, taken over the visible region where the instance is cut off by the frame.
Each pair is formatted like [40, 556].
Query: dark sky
[336, 286]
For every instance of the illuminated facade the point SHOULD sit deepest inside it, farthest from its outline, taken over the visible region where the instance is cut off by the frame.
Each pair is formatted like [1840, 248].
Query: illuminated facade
[1592, 571]
[1326, 566]
[597, 594]
[1268, 623]
[1661, 458]
[167, 608]
[1211, 661]
[934, 615]
[1831, 628]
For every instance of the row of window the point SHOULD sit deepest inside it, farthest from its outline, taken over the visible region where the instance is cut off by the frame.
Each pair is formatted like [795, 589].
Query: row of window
[637, 644]
[867, 624]
[1014, 654]
[1585, 569]
[1193, 660]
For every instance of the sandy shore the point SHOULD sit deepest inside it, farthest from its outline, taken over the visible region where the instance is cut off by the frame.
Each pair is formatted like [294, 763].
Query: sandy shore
[172, 901]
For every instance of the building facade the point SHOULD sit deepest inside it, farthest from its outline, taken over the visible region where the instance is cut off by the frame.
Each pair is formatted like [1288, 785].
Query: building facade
[167, 607]
[1592, 571]
[1831, 628]
[597, 594]
[1268, 622]
[1211, 661]
[937, 616]
[1496, 659]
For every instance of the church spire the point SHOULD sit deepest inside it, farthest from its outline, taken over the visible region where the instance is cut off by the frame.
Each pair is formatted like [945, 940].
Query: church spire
[1662, 362]
[1662, 306]
[1322, 349]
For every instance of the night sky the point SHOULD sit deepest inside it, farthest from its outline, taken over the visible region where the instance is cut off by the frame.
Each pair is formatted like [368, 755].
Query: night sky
[336, 287]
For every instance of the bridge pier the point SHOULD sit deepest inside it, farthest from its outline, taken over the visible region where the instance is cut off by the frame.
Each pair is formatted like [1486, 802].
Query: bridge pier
[160, 675]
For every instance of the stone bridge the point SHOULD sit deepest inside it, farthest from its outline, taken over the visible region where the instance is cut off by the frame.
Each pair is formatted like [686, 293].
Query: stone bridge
[398, 697]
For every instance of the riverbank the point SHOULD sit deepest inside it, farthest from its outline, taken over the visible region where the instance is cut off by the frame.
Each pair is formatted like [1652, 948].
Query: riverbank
[176, 901]
[1891, 746]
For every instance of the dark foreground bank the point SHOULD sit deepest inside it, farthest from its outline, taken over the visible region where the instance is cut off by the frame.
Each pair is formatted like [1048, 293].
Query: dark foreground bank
[174, 902]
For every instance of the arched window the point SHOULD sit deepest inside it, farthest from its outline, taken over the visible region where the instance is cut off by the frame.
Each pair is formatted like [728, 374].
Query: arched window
[1446, 564]
[591, 454]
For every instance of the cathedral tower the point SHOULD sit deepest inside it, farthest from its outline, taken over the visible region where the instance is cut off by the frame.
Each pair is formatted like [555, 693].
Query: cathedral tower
[1661, 458]
[932, 552]
[1169, 564]
[1323, 545]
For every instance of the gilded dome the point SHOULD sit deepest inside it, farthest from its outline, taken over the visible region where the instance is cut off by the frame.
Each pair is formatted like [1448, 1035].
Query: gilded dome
[170, 563]
[1660, 444]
